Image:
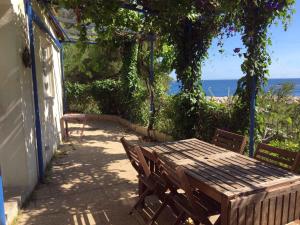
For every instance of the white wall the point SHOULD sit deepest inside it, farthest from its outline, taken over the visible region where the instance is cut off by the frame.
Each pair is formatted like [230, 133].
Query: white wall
[18, 154]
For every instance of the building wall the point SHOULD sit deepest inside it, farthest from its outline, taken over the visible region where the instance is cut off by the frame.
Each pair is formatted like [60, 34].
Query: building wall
[18, 153]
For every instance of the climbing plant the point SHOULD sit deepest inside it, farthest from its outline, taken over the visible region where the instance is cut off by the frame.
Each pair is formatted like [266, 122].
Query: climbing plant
[189, 26]
[255, 18]
[133, 93]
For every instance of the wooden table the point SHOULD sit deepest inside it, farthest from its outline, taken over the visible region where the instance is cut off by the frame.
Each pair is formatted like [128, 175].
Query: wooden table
[250, 192]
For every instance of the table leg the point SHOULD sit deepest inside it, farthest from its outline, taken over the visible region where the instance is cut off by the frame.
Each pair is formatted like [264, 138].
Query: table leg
[67, 129]
[224, 212]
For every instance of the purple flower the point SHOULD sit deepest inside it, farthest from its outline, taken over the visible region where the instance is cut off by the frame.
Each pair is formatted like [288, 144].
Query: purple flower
[250, 39]
[237, 50]
[231, 29]
[273, 5]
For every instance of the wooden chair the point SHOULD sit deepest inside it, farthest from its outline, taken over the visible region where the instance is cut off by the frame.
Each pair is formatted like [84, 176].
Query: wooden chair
[198, 206]
[279, 157]
[152, 184]
[230, 141]
[183, 201]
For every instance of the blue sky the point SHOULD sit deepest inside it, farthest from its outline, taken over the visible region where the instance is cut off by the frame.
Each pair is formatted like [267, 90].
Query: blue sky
[285, 54]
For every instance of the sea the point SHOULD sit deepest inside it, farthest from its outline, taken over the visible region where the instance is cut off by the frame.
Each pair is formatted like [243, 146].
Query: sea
[221, 88]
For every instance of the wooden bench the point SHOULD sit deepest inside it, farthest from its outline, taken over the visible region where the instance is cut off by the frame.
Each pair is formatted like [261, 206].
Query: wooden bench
[230, 141]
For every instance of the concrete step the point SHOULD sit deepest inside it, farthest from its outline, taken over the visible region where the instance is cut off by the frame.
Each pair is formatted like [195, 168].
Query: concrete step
[11, 211]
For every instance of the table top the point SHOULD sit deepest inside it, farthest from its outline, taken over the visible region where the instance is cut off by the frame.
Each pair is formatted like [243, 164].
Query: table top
[227, 173]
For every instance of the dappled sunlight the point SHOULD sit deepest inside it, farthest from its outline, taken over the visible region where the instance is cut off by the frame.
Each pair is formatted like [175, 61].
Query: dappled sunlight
[123, 170]
[91, 181]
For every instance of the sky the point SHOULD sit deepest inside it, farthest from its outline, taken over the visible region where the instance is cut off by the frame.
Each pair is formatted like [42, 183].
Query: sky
[285, 54]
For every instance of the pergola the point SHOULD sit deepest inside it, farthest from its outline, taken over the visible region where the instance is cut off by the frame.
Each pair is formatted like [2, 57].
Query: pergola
[67, 36]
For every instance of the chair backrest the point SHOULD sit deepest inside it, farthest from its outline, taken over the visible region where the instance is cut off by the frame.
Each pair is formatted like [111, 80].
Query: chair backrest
[199, 203]
[230, 141]
[279, 157]
[167, 173]
[136, 157]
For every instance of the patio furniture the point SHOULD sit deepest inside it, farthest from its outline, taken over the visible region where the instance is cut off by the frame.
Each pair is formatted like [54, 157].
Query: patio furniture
[189, 202]
[247, 190]
[72, 118]
[279, 157]
[231, 141]
[150, 183]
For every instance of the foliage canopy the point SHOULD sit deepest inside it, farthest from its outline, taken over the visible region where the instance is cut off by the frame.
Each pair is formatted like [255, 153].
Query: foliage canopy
[187, 28]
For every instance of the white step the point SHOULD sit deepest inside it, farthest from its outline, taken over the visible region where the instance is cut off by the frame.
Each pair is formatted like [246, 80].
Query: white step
[11, 211]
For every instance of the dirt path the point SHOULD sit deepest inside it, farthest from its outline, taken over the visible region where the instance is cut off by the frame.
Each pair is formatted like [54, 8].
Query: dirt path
[90, 182]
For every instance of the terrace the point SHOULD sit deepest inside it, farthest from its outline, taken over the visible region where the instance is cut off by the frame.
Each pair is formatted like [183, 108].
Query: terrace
[90, 181]
[210, 178]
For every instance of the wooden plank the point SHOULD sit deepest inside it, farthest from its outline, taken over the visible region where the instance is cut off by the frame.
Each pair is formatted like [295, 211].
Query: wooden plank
[272, 211]
[240, 175]
[285, 211]
[228, 216]
[212, 178]
[257, 213]
[297, 207]
[254, 172]
[282, 152]
[279, 210]
[292, 207]
[201, 149]
[276, 170]
[241, 215]
[264, 212]
[274, 158]
[222, 174]
[215, 149]
[217, 177]
[250, 214]
[233, 220]
[242, 172]
[261, 167]
[201, 145]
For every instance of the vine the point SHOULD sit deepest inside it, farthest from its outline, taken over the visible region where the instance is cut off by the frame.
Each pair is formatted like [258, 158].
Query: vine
[189, 26]
[130, 82]
[256, 17]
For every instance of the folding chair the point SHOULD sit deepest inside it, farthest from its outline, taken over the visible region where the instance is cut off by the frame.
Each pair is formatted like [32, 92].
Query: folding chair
[278, 157]
[152, 183]
[185, 202]
[230, 141]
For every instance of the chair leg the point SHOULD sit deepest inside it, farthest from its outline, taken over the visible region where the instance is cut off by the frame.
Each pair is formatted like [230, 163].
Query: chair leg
[140, 201]
[180, 218]
[158, 212]
[196, 222]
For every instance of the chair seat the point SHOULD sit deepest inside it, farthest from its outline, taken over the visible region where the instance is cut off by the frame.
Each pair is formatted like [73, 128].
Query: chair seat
[210, 204]
[205, 207]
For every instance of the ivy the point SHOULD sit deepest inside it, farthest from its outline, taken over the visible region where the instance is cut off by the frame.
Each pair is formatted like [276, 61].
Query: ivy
[255, 18]
[188, 26]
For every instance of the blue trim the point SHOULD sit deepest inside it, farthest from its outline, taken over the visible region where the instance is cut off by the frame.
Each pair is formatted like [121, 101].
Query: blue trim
[38, 131]
[63, 80]
[44, 28]
[252, 117]
[76, 41]
[58, 24]
[2, 210]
